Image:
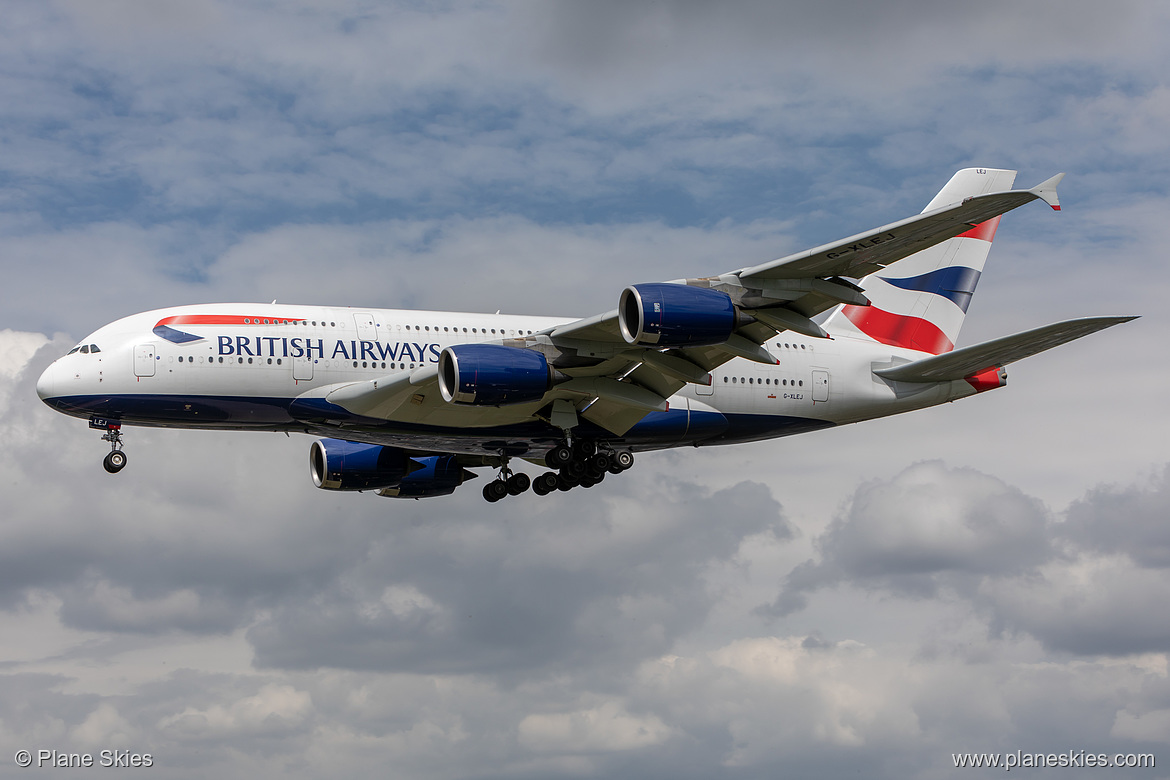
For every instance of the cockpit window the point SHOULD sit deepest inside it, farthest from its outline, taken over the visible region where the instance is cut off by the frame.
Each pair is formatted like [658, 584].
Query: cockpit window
[85, 350]
[70, 352]
[93, 348]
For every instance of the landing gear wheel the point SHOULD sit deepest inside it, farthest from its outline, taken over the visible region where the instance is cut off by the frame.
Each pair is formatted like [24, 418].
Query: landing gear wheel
[115, 461]
[545, 483]
[558, 457]
[517, 484]
[600, 462]
[495, 490]
[623, 459]
[583, 448]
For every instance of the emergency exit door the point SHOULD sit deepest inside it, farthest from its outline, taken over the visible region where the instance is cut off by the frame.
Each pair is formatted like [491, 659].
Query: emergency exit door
[820, 386]
[144, 360]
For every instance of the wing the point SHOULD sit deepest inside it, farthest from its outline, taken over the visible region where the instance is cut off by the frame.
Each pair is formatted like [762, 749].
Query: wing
[781, 295]
[613, 380]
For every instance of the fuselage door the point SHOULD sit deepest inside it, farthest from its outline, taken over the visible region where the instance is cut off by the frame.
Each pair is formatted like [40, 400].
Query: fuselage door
[366, 329]
[820, 386]
[144, 360]
[302, 367]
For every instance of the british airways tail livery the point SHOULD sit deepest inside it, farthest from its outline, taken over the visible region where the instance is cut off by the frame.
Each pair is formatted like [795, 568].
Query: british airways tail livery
[406, 402]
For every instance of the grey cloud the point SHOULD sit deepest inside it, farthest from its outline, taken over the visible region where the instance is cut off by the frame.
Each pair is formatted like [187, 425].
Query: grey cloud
[618, 582]
[1131, 520]
[928, 527]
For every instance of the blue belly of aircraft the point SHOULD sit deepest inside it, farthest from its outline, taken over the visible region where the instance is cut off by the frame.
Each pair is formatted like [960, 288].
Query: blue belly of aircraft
[658, 430]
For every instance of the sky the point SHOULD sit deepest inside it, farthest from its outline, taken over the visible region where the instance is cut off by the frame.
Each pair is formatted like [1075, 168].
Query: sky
[990, 576]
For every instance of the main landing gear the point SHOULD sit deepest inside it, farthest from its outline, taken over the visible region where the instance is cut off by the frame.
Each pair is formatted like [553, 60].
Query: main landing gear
[115, 461]
[581, 464]
[508, 483]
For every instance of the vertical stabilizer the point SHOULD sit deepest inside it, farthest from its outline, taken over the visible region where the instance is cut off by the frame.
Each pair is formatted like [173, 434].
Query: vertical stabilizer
[920, 301]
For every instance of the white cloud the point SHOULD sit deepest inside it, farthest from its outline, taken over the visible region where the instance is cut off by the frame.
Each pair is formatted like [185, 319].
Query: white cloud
[275, 709]
[605, 727]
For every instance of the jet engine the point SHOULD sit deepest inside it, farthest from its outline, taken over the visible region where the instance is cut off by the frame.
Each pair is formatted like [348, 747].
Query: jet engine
[439, 475]
[493, 375]
[336, 464]
[675, 315]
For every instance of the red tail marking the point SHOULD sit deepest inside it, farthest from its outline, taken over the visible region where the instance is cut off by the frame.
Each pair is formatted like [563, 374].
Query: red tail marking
[899, 331]
[984, 231]
[985, 380]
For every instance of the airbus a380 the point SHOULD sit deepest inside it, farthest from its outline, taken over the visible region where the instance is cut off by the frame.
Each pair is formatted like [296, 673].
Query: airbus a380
[406, 402]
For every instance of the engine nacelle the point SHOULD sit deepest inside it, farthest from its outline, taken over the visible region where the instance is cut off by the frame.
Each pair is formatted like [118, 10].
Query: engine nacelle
[336, 464]
[493, 375]
[675, 315]
[439, 476]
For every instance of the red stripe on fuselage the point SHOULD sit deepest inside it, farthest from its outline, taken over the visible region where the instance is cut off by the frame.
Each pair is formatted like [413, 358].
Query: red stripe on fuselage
[899, 331]
[223, 319]
[984, 231]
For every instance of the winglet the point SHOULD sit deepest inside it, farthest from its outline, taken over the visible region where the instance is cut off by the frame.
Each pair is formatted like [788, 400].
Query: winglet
[1046, 191]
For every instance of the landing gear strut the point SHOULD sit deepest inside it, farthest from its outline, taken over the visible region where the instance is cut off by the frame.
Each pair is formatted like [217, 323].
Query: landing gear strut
[115, 461]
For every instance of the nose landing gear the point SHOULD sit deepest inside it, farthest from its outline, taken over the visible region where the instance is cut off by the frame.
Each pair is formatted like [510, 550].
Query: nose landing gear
[115, 461]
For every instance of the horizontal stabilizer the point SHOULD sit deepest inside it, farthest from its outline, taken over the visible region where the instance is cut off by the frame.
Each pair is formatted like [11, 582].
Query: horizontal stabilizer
[968, 361]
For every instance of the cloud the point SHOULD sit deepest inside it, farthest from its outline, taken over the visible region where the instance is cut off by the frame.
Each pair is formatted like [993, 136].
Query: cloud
[984, 575]
[928, 527]
[620, 582]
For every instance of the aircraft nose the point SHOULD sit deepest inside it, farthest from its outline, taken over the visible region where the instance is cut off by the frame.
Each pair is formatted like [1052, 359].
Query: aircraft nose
[49, 383]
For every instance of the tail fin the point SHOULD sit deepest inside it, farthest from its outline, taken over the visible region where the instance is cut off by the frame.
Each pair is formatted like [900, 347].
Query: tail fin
[920, 301]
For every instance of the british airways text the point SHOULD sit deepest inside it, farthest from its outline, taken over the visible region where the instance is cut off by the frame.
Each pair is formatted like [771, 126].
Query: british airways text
[276, 346]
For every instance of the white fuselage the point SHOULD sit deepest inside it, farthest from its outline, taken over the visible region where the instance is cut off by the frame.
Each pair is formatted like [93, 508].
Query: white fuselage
[241, 366]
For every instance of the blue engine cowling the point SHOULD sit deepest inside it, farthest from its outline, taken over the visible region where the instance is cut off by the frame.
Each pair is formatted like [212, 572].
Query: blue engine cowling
[336, 464]
[439, 476]
[493, 375]
[675, 315]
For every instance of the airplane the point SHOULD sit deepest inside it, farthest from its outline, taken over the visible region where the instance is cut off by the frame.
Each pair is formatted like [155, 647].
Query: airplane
[407, 403]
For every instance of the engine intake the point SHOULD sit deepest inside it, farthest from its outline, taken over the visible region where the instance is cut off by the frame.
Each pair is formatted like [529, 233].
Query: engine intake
[493, 375]
[336, 464]
[675, 315]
